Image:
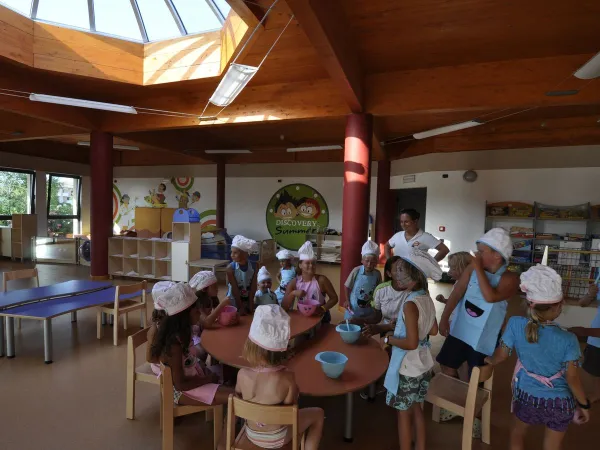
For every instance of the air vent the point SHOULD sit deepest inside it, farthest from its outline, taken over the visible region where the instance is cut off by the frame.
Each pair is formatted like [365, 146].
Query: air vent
[409, 179]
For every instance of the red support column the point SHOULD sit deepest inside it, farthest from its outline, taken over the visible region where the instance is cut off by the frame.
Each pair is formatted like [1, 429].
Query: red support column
[101, 165]
[221, 194]
[357, 183]
[384, 217]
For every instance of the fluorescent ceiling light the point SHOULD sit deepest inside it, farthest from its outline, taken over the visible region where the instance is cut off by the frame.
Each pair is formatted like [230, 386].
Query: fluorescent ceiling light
[315, 148]
[117, 146]
[236, 79]
[590, 69]
[217, 152]
[81, 103]
[447, 129]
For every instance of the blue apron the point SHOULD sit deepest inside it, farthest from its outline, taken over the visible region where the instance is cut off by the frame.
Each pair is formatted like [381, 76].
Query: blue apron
[477, 322]
[392, 377]
[244, 280]
[596, 322]
[287, 275]
[362, 290]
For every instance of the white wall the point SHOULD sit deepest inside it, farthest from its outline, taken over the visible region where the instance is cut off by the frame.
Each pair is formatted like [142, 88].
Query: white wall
[460, 206]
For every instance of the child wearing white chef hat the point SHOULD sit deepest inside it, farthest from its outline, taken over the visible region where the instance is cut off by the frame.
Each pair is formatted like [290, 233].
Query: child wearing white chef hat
[546, 386]
[286, 272]
[362, 281]
[158, 314]
[263, 295]
[241, 273]
[269, 382]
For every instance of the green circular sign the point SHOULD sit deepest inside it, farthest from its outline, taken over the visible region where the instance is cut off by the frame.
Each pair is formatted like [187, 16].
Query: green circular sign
[293, 212]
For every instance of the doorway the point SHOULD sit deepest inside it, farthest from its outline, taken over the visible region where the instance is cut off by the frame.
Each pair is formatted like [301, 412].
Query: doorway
[415, 198]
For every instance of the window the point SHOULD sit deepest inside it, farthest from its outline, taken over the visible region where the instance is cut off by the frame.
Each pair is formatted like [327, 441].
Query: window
[116, 17]
[197, 15]
[158, 20]
[16, 193]
[22, 6]
[73, 13]
[64, 204]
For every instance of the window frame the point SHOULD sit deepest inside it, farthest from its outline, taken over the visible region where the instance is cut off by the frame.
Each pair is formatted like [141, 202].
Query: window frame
[49, 195]
[31, 194]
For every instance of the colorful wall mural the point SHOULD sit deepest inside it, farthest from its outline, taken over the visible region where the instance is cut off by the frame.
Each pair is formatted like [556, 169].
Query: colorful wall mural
[176, 192]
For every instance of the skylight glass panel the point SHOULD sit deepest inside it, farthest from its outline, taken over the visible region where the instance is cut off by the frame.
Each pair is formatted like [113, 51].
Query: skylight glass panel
[22, 6]
[72, 13]
[197, 16]
[158, 20]
[223, 7]
[116, 17]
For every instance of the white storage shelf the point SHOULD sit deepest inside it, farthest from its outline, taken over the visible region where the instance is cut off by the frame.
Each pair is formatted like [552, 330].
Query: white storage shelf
[139, 258]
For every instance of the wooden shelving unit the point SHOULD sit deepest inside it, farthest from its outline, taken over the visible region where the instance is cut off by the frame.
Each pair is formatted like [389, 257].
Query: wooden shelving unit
[24, 227]
[328, 248]
[139, 258]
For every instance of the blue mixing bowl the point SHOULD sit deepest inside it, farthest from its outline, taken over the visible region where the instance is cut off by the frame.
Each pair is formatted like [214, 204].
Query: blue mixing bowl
[332, 363]
[349, 333]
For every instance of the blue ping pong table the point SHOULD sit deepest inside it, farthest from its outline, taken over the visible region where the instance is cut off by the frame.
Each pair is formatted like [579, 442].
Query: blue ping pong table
[48, 309]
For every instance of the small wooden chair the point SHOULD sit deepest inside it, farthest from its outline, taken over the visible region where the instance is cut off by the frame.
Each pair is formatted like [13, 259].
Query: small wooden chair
[122, 308]
[20, 275]
[170, 410]
[270, 415]
[135, 373]
[463, 399]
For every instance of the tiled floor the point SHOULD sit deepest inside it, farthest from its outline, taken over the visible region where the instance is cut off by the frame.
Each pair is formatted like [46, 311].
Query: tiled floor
[79, 401]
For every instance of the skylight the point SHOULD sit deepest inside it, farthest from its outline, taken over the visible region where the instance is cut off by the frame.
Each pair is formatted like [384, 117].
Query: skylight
[139, 20]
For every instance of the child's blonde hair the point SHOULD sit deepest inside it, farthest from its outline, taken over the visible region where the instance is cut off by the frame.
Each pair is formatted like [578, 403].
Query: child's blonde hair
[459, 261]
[258, 356]
[536, 313]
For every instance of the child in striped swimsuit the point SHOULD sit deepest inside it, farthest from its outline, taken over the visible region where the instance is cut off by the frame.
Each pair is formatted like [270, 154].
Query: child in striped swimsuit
[269, 382]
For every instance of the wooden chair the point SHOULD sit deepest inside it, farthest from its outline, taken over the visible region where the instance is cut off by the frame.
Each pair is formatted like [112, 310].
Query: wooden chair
[135, 373]
[463, 399]
[20, 275]
[122, 308]
[170, 410]
[270, 415]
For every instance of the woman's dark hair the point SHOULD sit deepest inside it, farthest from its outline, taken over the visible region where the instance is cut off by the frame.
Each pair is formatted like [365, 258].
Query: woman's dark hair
[173, 330]
[164, 186]
[157, 316]
[414, 274]
[205, 300]
[388, 267]
[412, 213]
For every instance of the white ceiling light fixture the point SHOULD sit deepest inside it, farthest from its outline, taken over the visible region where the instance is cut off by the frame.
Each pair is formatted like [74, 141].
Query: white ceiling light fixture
[590, 69]
[447, 129]
[236, 79]
[225, 152]
[67, 101]
[117, 146]
[316, 148]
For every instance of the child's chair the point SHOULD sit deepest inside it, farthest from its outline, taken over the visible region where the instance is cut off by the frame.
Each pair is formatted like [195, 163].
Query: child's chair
[135, 373]
[123, 307]
[270, 415]
[463, 399]
[170, 410]
[20, 275]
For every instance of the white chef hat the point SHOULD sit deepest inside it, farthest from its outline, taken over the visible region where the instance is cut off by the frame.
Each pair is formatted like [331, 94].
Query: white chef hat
[158, 291]
[202, 280]
[423, 261]
[542, 285]
[263, 274]
[177, 298]
[306, 252]
[498, 239]
[270, 328]
[244, 244]
[370, 248]
[284, 254]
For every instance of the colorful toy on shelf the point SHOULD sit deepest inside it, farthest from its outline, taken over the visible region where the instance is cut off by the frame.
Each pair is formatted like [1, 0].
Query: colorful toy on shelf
[524, 245]
[522, 232]
[189, 215]
[521, 210]
[498, 211]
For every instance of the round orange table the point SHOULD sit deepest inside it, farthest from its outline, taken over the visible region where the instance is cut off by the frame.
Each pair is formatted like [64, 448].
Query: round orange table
[367, 362]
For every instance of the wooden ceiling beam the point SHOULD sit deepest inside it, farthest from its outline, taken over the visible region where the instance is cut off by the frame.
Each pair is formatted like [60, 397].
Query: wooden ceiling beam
[48, 149]
[328, 31]
[249, 12]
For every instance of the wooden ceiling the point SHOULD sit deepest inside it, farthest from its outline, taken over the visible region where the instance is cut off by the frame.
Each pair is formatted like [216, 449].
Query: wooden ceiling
[414, 65]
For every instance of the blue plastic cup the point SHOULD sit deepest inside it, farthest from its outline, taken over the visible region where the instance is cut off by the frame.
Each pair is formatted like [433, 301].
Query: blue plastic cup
[332, 363]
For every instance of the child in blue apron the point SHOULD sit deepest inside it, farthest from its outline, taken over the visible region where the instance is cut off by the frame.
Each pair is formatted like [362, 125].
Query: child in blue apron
[241, 275]
[480, 298]
[545, 384]
[264, 295]
[361, 283]
[286, 274]
[591, 354]
[407, 378]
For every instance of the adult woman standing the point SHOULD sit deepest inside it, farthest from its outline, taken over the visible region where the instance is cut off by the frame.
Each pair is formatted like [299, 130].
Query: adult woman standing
[412, 236]
[309, 285]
